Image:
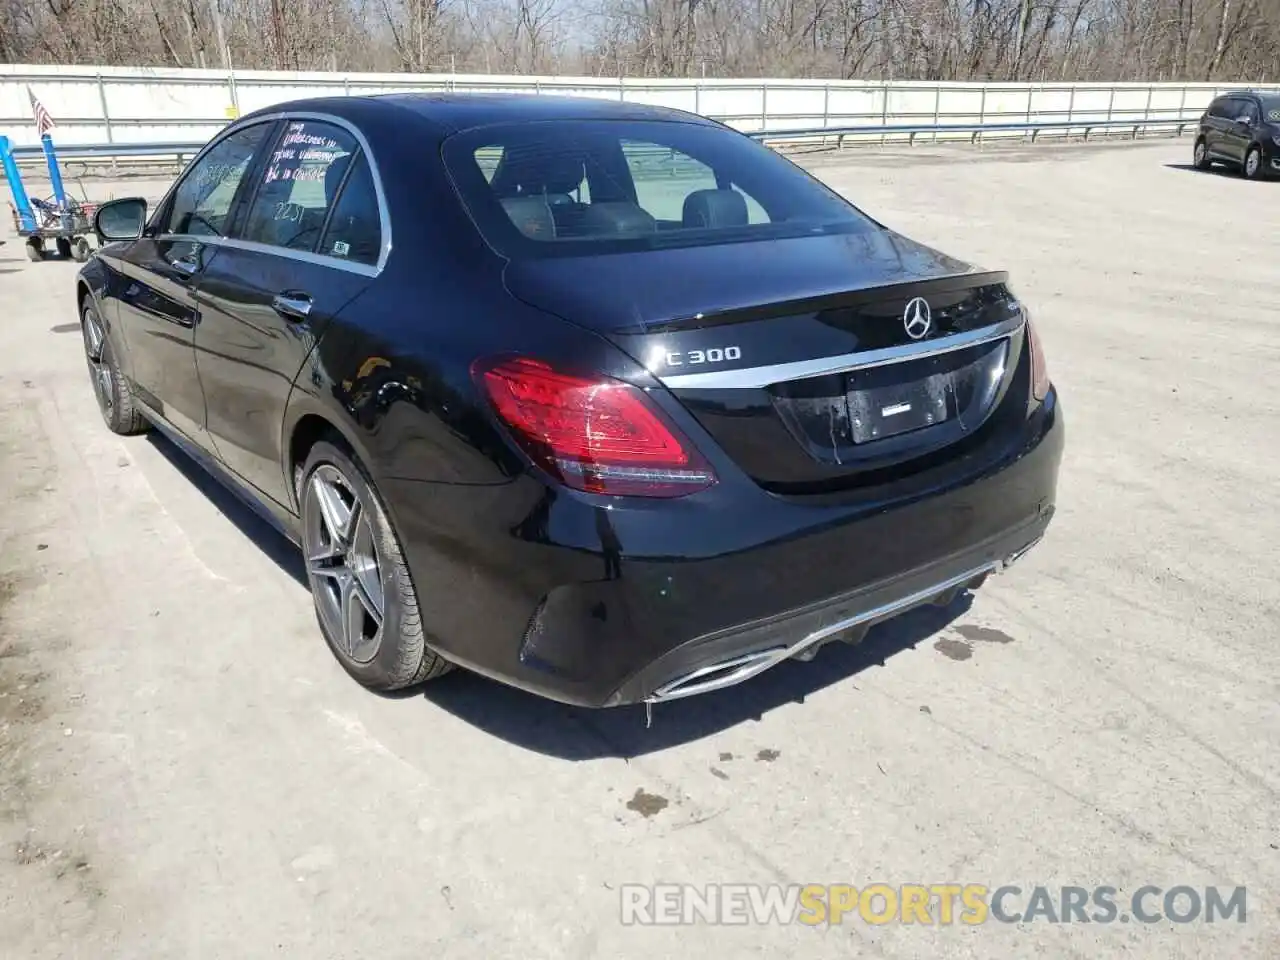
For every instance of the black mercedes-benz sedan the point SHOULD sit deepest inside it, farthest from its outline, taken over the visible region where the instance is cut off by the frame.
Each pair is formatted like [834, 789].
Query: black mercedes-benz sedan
[608, 402]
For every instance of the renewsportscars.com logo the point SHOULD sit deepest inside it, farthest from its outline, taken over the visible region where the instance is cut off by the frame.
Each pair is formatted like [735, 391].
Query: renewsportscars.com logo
[941, 904]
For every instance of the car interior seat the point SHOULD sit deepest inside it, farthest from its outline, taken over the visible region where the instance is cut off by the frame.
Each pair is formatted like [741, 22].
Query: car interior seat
[715, 208]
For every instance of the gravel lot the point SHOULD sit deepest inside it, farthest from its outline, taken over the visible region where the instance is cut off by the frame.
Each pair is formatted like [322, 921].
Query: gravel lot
[186, 772]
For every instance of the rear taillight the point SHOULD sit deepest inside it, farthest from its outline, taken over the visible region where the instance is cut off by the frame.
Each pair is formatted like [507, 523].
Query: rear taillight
[1039, 369]
[599, 434]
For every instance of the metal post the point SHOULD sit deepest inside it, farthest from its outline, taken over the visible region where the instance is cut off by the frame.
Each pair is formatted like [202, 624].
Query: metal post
[764, 106]
[102, 100]
[697, 98]
[826, 110]
[884, 107]
[234, 93]
[21, 203]
[982, 112]
[937, 109]
[1111, 102]
[55, 175]
[1146, 114]
[1031, 95]
[1071, 110]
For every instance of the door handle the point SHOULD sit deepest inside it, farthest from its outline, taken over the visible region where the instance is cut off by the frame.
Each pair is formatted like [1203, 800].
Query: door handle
[292, 305]
[190, 264]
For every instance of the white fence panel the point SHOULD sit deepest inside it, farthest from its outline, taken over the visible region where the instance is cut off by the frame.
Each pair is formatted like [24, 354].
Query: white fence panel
[128, 105]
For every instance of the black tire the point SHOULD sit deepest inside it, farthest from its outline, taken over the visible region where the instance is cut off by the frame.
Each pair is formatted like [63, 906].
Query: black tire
[1252, 168]
[80, 250]
[1200, 158]
[35, 250]
[401, 656]
[63, 246]
[111, 387]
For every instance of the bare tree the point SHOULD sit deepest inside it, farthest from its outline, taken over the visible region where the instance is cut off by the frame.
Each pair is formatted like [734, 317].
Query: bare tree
[1150, 40]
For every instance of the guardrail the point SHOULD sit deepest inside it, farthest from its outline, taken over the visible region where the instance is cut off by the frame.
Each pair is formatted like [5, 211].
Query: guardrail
[180, 151]
[111, 151]
[975, 129]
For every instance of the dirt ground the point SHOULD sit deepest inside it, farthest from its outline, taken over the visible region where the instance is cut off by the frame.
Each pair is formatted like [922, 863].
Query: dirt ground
[186, 772]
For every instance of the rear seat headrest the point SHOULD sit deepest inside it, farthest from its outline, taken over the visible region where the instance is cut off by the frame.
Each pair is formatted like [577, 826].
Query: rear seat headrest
[617, 218]
[715, 208]
[532, 216]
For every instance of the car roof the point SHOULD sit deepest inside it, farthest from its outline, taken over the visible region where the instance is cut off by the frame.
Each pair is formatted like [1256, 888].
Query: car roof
[448, 113]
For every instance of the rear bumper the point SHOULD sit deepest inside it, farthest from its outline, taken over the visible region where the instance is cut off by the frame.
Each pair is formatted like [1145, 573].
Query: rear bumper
[603, 603]
[736, 655]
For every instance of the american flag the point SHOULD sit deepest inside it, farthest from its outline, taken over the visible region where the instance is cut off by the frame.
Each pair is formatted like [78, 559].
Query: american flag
[44, 122]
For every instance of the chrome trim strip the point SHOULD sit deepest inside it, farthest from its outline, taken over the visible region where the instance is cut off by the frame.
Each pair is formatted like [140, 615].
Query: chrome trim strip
[302, 256]
[746, 666]
[384, 212]
[754, 377]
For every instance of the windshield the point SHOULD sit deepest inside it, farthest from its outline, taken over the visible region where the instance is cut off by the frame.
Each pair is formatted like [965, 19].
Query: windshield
[573, 187]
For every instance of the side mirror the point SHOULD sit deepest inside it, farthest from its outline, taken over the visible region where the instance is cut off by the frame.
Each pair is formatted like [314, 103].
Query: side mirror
[1244, 121]
[120, 220]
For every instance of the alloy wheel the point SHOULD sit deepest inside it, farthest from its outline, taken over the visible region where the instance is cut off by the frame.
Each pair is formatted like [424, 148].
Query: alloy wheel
[95, 345]
[342, 563]
[1199, 156]
[1251, 163]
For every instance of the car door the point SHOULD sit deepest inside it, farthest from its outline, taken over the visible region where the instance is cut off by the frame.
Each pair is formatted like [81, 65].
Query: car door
[313, 238]
[1236, 134]
[1215, 127]
[156, 309]
[1248, 126]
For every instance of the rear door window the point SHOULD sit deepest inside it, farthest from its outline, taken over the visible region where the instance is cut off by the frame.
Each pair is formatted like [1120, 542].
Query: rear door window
[354, 231]
[299, 184]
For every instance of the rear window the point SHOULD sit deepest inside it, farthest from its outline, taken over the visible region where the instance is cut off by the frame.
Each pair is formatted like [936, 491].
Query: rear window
[565, 188]
[1271, 109]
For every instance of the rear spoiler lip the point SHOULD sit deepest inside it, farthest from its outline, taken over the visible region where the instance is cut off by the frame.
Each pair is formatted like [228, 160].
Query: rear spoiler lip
[904, 289]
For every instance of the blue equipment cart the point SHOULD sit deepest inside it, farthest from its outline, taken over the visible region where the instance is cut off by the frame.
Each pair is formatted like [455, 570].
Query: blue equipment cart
[62, 219]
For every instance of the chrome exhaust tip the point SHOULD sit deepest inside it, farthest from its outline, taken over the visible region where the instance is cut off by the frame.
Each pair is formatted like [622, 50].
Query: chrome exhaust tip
[732, 671]
[1017, 555]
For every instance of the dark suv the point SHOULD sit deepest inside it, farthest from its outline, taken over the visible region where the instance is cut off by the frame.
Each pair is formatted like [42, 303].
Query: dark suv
[1242, 129]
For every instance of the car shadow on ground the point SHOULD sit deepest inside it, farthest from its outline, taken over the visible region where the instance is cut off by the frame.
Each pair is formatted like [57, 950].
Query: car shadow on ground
[255, 527]
[1219, 170]
[575, 733]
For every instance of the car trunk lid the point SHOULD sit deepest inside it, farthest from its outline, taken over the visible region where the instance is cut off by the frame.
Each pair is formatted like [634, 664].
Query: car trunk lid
[811, 362]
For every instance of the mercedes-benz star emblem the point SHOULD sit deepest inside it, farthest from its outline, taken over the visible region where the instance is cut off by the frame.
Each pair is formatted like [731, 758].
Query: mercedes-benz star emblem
[917, 319]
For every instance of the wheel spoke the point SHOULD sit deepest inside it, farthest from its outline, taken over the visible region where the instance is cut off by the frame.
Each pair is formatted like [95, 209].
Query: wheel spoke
[342, 564]
[93, 337]
[353, 615]
[370, 600]
[365, 574]
[326, 563]
[364, 565]
[334, 512]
